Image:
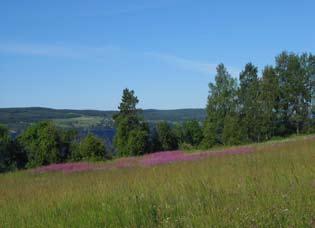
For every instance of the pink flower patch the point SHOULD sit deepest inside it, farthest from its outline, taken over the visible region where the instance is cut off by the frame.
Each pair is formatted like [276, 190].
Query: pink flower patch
[66, 167]
[157, 158]
[174, 156]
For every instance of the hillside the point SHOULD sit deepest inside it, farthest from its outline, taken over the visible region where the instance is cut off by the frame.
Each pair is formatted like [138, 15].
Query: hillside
[271, 186]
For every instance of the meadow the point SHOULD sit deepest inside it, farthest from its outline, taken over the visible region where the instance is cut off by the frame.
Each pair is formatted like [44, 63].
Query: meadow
[273, 186]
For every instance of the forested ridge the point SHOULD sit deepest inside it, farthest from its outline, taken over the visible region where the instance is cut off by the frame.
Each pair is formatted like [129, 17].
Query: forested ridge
[18, 119]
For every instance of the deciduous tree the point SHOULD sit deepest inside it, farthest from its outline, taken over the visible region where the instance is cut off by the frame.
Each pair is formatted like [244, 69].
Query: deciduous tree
[295, 91]
[166, 136]
[221, 102]
[250, 108]
[41, 142]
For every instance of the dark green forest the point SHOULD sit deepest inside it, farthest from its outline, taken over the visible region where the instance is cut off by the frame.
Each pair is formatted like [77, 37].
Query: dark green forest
[256, 107]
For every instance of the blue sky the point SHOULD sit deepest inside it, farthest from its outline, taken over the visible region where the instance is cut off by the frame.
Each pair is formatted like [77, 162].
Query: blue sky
[81, 54]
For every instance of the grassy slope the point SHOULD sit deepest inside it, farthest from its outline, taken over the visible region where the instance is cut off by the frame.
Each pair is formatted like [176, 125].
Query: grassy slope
[271, 188]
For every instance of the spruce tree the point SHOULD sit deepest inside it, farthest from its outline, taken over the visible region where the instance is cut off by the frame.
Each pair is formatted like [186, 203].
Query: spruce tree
[130, 128]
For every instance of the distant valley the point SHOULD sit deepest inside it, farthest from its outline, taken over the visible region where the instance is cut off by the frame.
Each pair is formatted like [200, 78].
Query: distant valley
[98, 122]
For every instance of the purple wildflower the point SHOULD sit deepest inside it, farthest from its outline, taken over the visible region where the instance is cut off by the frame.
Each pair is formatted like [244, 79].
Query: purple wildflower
[157, 158]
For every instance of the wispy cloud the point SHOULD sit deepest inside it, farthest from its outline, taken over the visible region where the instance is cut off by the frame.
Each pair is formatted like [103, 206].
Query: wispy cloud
[202, 67]
[101, 53]
[184, 63]
[57, 50]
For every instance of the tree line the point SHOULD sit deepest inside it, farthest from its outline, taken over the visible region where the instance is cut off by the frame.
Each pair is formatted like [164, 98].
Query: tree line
[278, 103]
[252, 109]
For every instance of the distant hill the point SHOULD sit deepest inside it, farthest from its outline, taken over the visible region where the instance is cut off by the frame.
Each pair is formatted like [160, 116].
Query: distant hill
[19, 118]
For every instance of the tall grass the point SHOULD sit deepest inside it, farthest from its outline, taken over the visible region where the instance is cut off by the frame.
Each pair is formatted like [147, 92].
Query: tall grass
[273, 187]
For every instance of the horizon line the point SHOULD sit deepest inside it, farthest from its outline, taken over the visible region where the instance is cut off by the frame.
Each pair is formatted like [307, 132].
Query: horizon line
[100, 110]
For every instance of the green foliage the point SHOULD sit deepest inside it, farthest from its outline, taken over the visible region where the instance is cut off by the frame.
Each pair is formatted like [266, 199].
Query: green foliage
[138, 141]
[5, 157]
[221, 102]
[311, 126]
[209, 133]
[269, 100]
[190, 133]
[295, 91]
[155, 144]
[166, 136]
[232, 133]
[90, 148]
[128, 103]
[173, 116]
[311, 74]
[6, 151]
[68, 143]
[130, 127]
[186, 146]
[178, 131]
[250, 107]
[124, 126]
[41, 142]
[277, 104]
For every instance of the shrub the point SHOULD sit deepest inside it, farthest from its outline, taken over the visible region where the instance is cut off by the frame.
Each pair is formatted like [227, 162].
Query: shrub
[192, 132]
[138, 142]
[186, 146]
[6, 150]
[90, 148]
[69, 141]
[41, 143]
[166, 136]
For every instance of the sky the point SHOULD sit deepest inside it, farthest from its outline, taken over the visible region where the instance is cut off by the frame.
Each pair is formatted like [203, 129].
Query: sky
[79, 54]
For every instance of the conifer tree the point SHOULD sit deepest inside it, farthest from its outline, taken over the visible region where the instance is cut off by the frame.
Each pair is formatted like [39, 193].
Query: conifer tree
[132, 133]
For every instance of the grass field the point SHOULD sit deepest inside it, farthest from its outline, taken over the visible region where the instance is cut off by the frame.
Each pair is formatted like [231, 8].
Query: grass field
[271, 187]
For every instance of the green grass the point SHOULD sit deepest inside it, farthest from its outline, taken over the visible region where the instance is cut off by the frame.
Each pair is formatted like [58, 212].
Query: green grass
[270, 142]
[274, 187]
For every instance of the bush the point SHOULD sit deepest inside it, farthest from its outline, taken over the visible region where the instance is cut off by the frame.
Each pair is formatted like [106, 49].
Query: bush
[138, 142]
[6, 151]
[69, 140]
[186, 146]
[192, 132]
[166, 136]
[90, 148]
[41, 143]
